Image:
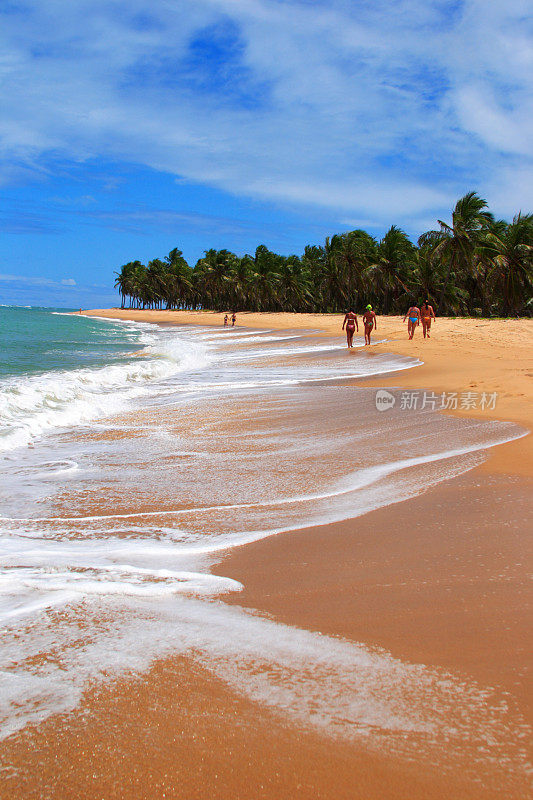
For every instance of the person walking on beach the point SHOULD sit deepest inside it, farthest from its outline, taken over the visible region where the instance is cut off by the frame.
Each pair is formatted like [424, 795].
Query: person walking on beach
[350, 321]
[226, 320]
[427, 314]
[414, 319]
[233, 319]
[369, 321]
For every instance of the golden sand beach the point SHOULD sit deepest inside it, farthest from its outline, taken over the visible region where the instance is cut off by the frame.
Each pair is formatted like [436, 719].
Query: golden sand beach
[440, 579]
[493, 355]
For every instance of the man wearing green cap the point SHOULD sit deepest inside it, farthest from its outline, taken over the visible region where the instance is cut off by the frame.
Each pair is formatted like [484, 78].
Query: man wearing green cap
[369, 321]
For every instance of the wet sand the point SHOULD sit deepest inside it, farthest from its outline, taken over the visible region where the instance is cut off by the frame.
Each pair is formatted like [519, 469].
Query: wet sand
[180, 733]
[421, 578]
[477, 355]
[445, 592]
[440, 579]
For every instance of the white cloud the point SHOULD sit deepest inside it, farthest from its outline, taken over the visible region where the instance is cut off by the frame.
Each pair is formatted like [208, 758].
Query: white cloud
[39, 290]
[376, 110]
[492, 73]
[31, 281]
[35, 280]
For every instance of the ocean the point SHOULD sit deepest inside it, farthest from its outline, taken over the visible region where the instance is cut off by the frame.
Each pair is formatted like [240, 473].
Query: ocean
[132, 456]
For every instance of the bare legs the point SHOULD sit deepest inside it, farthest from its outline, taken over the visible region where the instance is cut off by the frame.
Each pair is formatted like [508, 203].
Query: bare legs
[411, 327]
[349, 336]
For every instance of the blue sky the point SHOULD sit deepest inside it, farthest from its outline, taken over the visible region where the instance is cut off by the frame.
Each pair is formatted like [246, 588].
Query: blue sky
[130, 128]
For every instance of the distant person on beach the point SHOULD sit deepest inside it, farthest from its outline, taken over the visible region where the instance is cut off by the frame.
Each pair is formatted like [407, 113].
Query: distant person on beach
[369, 321]
[414, 319]
[233, 319]
[427, 314]
[350, 321]
[226, 320]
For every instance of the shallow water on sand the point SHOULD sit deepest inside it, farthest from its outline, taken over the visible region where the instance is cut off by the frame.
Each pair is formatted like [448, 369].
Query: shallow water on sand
[110, 533]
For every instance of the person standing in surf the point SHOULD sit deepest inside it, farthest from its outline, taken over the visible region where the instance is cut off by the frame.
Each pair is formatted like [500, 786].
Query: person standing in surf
[226, 319]
[233, 319]
[414, 319]
[427, 314]
[369, 321]
[350, 321]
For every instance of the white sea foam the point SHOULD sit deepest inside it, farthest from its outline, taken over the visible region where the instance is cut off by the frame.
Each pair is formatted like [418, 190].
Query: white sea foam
[307, 349]
[344, 689]
[165, 552]
[249, 339]
[31, 406]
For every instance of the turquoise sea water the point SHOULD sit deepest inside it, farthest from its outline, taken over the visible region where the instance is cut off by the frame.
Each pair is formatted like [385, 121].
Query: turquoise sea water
[38, 340]
[58, 369]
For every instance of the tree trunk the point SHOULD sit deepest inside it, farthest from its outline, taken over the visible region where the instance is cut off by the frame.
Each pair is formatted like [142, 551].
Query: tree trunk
[445, 285]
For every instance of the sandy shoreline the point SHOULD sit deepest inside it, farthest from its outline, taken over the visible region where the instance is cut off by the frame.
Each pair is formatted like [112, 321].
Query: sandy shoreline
[476, 355]
[440, 579]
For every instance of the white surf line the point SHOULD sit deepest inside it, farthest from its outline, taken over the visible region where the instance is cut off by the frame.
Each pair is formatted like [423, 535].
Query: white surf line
[252, 353]
[194, 387]
[185, 583]
[372, 474]
[44, 469]
[51, 601]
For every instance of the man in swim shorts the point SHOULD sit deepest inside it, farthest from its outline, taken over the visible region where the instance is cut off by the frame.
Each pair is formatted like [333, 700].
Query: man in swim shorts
[233, 319]
[427, 314]
[414, 319]
[370, 321]
[350, 320]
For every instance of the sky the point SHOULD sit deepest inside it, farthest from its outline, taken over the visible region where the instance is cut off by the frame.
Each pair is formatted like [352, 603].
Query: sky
[130, 128]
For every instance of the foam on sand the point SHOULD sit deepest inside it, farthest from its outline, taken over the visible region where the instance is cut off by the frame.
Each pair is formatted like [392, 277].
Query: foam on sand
[345, 690]
[121, 533]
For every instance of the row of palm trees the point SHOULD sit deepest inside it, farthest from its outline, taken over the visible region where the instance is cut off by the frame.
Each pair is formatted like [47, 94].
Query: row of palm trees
[477, 265]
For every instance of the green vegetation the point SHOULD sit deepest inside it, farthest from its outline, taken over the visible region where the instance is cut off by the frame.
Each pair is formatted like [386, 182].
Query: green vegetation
[476, 266]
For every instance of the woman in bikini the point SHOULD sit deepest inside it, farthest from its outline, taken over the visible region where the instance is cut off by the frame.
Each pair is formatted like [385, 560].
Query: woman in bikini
[370, 321]
[350, 321]
[414, 319]
[427, 314]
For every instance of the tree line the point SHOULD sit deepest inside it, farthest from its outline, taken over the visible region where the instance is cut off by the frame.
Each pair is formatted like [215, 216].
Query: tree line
[476, 266]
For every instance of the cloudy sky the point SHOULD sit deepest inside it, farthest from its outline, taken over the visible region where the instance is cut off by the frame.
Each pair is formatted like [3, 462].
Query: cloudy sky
[130, 128]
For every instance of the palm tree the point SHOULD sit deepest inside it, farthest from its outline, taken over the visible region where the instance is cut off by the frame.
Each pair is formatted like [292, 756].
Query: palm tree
[265, 278]
[128, 280]
[240, 282]
[511, 254]
[121, 282]
[353, 252]
[474, 265]
[426, 281]
[294, 285]
[329, 279]
[216, 267]
[156, 285]
[313, 260]
[459, 240]
[179, 279]
[389, 273]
